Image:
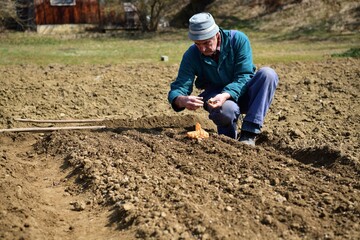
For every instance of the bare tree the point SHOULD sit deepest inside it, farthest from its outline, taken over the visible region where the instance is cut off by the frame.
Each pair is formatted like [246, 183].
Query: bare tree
[150, 13]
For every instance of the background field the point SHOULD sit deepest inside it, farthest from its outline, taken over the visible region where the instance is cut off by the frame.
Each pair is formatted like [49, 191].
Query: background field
[30, 48]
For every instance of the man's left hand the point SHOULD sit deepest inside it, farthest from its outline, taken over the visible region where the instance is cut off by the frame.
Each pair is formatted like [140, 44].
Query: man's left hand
[218, 100]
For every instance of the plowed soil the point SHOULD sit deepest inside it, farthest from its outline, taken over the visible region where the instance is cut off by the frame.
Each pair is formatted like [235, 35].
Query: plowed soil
[140, 177]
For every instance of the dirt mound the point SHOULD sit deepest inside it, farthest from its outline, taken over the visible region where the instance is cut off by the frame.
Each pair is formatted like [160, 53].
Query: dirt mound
[141, 177]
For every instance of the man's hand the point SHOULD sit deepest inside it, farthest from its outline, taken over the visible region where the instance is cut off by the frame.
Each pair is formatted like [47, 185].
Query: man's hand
[189, 102]
[218, 100]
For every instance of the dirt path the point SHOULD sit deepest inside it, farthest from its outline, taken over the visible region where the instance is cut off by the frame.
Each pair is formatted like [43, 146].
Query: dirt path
[141, 178]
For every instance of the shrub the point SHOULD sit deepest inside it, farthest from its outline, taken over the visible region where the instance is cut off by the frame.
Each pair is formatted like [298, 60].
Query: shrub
[16, 14]
[352, 52]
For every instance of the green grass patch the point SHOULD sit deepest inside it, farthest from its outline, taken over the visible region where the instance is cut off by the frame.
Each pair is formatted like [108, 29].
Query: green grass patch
[352, 52]
[32, 48]
[266, 51]
[137, 48]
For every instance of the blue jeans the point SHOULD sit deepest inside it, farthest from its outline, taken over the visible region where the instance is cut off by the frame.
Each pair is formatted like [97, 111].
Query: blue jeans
[254, 104]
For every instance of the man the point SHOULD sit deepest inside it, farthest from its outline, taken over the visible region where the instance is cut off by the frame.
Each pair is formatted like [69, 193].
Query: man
[221, 60]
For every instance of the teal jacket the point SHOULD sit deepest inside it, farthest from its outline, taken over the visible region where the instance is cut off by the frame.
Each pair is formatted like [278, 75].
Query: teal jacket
[233, 70]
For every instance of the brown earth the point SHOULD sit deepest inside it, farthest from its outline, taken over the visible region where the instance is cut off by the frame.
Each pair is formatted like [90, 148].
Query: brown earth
[142, 178]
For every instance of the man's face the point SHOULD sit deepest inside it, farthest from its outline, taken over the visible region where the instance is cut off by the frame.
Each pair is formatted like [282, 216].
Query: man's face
[207, 46]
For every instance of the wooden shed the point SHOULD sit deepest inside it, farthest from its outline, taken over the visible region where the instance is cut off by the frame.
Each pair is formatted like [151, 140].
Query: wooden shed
[67, 12]
[103, 14]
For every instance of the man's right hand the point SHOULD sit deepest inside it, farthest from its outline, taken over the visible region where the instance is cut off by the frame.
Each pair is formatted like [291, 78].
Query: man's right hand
[189, 102]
